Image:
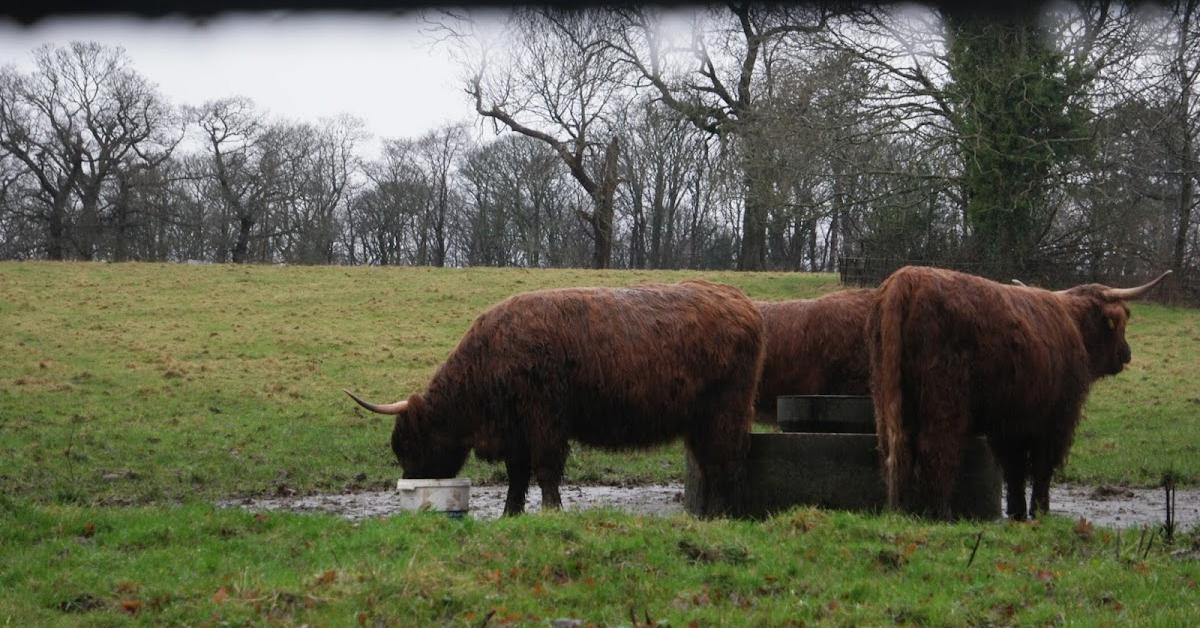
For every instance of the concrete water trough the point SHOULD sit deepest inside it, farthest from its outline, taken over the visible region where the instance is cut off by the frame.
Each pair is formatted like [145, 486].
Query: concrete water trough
[826, 456]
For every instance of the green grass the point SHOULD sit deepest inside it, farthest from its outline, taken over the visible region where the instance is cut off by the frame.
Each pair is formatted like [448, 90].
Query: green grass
[1146, 421]
[196, 564]
[147, 383]
[169, 386]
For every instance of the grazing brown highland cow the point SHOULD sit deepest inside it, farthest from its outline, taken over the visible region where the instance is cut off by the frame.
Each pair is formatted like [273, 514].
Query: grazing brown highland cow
[617, 368]
[814, 347]
[954, 355]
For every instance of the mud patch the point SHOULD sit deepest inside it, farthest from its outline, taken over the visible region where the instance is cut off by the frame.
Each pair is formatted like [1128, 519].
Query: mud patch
[1103, 505]
[1121, 507]
[487, 501]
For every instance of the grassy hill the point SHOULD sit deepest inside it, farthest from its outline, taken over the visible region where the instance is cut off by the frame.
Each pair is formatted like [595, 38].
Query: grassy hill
[139, 383]
[155, 384]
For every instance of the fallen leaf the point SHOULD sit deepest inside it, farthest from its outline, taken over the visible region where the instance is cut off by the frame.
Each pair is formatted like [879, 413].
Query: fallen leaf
[1083, 528]
[89, 530]
[220, 596]
[131, 605]
[329, 577]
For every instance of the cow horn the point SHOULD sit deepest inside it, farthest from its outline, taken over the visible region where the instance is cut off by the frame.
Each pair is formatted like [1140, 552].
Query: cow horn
[1126, 294]
[390, 408]
[1018, 282]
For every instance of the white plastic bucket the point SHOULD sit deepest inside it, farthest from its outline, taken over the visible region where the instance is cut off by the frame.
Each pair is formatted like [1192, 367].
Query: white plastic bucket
[451, 496]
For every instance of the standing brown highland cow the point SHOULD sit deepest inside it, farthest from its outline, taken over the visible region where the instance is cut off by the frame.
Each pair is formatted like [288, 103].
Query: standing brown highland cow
[617, 368]
[954, 355]
[814, 347]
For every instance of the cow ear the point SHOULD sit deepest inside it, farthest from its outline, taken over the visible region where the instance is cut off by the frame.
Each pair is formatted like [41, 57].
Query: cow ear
[408, 423]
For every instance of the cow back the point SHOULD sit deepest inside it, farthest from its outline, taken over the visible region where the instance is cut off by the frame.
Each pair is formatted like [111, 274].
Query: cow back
[815, 347]
[609, 366]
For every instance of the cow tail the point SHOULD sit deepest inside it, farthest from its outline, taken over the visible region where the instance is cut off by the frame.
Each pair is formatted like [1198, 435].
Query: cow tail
[885, 323]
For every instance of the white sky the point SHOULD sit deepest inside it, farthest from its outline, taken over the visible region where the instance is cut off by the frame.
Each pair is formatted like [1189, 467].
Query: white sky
[379, 67]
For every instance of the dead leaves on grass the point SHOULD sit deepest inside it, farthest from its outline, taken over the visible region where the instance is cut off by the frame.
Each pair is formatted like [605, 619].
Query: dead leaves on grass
[698, 553]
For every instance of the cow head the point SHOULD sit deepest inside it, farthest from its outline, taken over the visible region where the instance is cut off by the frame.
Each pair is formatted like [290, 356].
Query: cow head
[1102, 315]
[424, 448]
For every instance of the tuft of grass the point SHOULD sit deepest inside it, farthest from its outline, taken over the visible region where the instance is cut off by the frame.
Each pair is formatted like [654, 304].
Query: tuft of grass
[149, 383]
[66, 565]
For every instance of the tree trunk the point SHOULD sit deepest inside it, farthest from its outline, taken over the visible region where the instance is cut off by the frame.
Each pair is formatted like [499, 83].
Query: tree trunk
[753, 252]
[120, 221]
[1187, 176]
[637, 214]
[245, 224]
[56, 232]
[439, 224]
[1184, 212]
[657, 218]
[602, 216]
[89, 222]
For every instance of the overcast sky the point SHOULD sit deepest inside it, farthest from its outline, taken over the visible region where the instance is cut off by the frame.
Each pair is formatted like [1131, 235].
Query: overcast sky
[380, 68]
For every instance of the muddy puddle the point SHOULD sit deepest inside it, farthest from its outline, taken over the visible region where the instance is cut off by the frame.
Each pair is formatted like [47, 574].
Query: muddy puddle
[487, 501]
[1102, 505]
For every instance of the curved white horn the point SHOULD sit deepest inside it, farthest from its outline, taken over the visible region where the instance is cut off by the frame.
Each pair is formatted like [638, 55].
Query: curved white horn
[1125, 294]
[1018, 282]
[389, 408]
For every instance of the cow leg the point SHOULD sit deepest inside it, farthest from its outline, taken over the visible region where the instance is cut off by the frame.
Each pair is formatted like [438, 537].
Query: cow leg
[517, 467]
[1043, 463]
[548, 464]
[943, 416]
[1014, 461]
[719, 446]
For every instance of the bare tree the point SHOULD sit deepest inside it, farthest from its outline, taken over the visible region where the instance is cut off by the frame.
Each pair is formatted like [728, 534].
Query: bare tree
[318, 171]
[661, 154]
[1184, 121]
[560, 85]
[40, 130]
[715, 79]
[231, 128]
[391, 213]
[438, 153]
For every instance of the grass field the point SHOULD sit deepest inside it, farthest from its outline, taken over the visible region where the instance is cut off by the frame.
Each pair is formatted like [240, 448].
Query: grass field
[140, 383]
[199, 565]
[133, 395]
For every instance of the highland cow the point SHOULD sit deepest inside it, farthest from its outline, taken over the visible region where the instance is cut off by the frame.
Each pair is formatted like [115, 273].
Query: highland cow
[814, 347]
[954, 355]
[616, 368]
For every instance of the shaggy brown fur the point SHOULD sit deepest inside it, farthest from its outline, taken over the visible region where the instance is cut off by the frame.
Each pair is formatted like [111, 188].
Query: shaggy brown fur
[617, 368]
[954, 355]
[814, 347]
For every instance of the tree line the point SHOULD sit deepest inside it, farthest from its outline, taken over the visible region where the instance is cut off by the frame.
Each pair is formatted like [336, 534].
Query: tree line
[743, 136]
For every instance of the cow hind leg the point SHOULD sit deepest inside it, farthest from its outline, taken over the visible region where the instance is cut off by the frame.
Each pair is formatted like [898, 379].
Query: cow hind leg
[1014, 461]
[1043, 462]
[548, 464]
[518, 470]
[719, 446]
[941, 436]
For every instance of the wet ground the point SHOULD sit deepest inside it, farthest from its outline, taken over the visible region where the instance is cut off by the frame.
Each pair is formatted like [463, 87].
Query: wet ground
[1102, 505]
